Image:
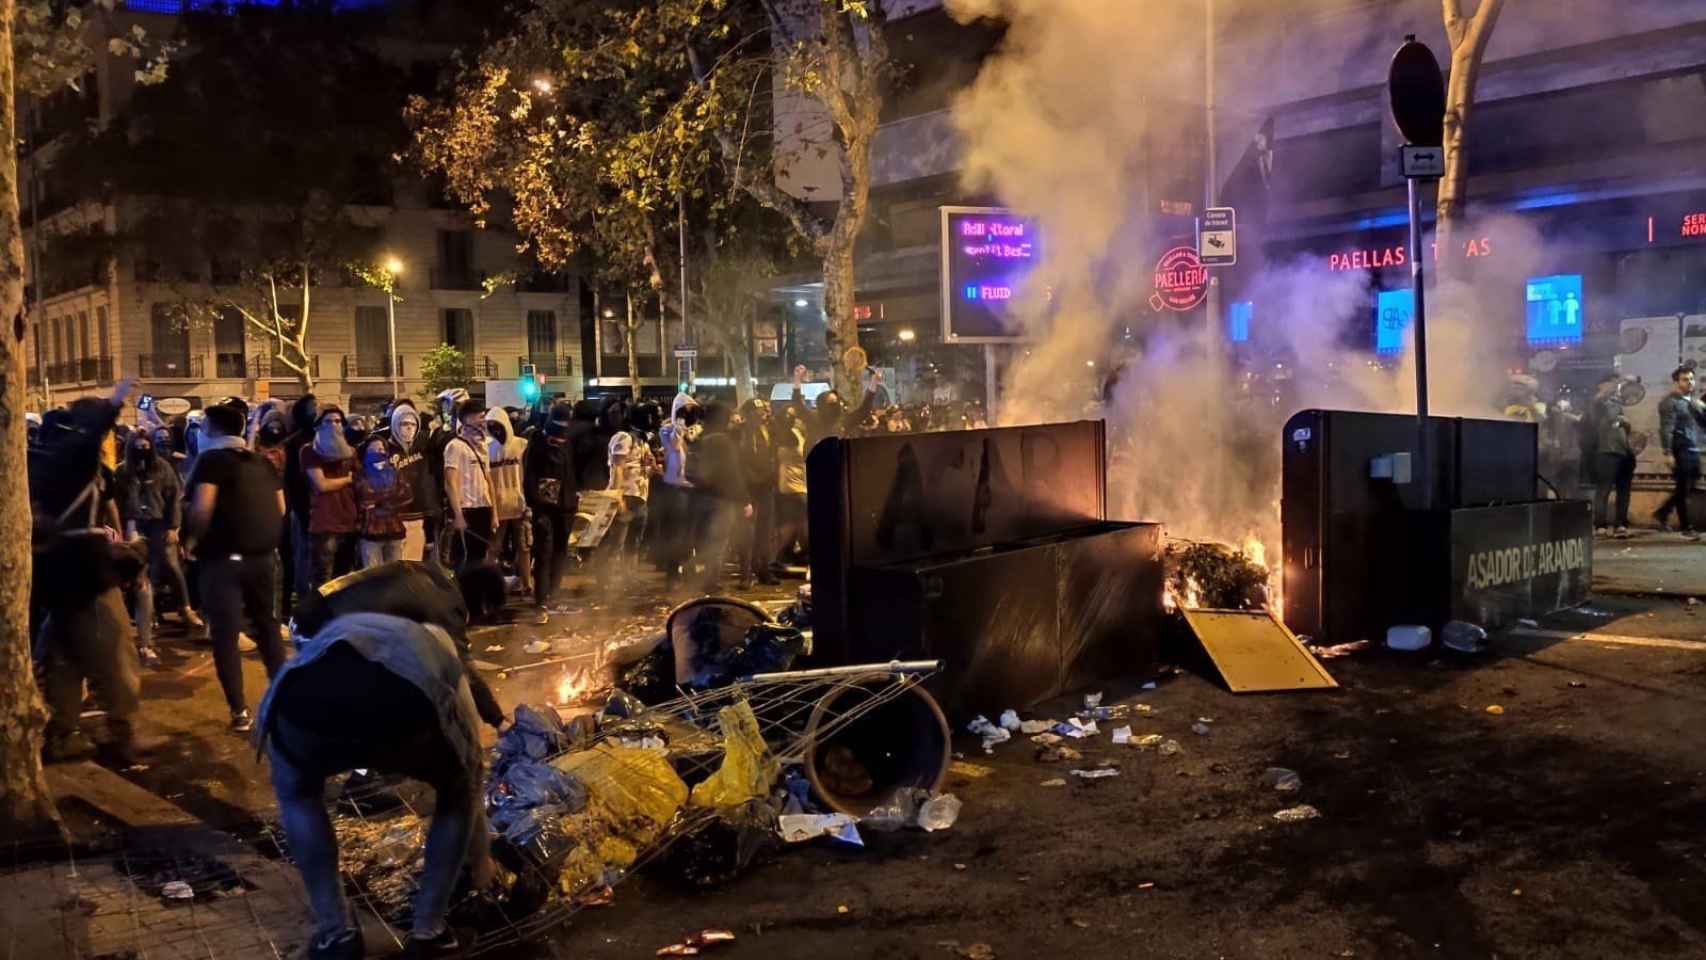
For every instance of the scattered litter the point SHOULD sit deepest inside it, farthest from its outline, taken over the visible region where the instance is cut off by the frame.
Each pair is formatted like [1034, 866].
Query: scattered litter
[1057, 754]
[1170, 747]
[1691, 602]
[842, 908]
[1148, 740]
[1205, 719]
[1526, 622]
[970, 771]
[1010, 720]
[177, 890]
[1464, 637]
[1056, 782]
[1096, 774]
[1122, 735]
[1297, 814]
[800, 827]
[1047, 739]
[939, 812]
[1341, 649]
[536, 646]
[1146, 885]
[914, 807]
[1028, 727]
[959, 866]
[1142, 708]
[978, 951]
[990, 733]
[1092, 700]
[1495, 710]
[494, 647]
[1150, 685]
[1076, 728]
[1408, 637]
[136, 768]
[1342, 755]
[1283, 780]
[1578, 684]
[696, 944]
[1594, 611]
[1200, 729]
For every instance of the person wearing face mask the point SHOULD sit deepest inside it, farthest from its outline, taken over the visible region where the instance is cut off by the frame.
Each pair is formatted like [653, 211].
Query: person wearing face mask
[548, 482]
[468, 483]
[328, 462]
[380, 498]
[504, 451]
[407, 445]
[150, 504]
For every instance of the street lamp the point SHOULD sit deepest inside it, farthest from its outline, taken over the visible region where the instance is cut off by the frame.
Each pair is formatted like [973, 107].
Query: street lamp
[393, 269]
[906, 335]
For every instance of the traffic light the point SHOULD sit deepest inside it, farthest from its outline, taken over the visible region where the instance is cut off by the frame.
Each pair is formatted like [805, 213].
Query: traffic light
[528, 386]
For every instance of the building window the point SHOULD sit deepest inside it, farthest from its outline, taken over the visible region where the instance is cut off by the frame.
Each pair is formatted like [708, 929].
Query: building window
[458, 328]
[541, 333]
[58, 344]
[372, 332]
[83, 333]
[171, 341]
[147, 271]
[102, 332]
[228, 342]
[35, 334]
[455, 269]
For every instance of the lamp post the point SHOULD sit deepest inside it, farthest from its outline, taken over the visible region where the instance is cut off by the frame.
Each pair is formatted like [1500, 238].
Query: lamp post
[393, 267]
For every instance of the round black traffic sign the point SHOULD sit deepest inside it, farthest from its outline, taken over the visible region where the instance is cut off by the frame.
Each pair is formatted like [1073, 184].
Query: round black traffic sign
[1418, 94]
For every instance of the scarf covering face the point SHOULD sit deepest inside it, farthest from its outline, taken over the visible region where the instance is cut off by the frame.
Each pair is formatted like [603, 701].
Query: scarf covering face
[221, 443]
[405, 424]
[376, 467]
[329, 442]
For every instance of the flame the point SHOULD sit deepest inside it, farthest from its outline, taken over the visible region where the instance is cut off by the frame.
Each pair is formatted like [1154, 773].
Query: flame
[1252, 548]
[1191, 596]
[573, 686]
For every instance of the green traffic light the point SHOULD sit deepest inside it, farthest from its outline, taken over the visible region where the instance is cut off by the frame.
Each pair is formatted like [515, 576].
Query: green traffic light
[529, 389]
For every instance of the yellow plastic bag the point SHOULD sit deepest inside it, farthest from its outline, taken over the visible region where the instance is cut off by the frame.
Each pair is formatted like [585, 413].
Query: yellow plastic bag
[748, 769]
[635, 791]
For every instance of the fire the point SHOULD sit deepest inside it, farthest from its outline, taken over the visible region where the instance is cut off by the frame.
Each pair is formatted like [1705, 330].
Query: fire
[1190, 597]
[1253, 549]
[573, 686]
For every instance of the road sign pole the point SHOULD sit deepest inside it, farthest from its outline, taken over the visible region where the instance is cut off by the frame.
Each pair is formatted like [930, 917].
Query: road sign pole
[1418, 275]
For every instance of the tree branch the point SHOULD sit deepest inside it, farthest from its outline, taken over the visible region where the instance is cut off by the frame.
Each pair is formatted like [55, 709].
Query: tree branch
[1453, 11]
[1481, 27]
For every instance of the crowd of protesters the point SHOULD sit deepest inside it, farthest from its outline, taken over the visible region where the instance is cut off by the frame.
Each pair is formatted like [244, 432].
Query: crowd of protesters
[225, 518]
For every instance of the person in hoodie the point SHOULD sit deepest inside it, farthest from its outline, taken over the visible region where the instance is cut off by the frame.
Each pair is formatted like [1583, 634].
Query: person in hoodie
[297, 496]
[150, 504]
[630, 467]
[505, 451]
[407, 444]
[670, 516]
[381, 496]
[548, 483]
[329, 465]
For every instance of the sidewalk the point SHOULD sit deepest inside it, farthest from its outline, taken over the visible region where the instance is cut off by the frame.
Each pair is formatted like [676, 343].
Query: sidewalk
[1650, 563]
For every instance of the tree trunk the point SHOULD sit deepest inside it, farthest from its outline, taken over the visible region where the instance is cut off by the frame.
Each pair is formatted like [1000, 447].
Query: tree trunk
[841, 329]
[628, 330]
[25, 804]
[1468, 36]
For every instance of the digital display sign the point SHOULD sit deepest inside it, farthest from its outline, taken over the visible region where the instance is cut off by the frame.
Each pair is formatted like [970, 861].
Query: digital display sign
[1393, 310]
[1238, 318]
[1555, 309]
[988, 254]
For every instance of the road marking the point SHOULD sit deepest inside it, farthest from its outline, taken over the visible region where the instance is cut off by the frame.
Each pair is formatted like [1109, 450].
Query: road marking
[1612, 638]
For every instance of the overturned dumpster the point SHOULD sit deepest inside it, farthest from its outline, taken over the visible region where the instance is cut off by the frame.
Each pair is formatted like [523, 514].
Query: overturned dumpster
[990, 550]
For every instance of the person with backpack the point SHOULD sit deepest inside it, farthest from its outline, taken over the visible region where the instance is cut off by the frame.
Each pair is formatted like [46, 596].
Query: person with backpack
[236, 512]
[504, 451]
[151, 506]
[549, 485]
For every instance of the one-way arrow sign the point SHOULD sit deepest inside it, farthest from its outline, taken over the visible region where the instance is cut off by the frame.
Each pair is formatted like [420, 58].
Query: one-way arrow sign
[1422, 163]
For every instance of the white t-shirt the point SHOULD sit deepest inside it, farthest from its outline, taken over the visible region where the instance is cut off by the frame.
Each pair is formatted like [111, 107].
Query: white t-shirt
[473, 486]
[626, 452]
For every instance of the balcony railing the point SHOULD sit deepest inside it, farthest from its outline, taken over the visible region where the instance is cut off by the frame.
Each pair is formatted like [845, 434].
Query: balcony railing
[84, 370]
[550, 366]
[230, 366]
[482, 368]
[372, 366]
[175, 366]
[263, 367]
[444, 279]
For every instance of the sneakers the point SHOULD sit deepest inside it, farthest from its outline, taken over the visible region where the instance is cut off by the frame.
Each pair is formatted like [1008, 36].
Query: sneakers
[345, 945]
[190, 619]
[1621, 533]
[149, 656]
[242, 722]
[245, 644]
[443, 945]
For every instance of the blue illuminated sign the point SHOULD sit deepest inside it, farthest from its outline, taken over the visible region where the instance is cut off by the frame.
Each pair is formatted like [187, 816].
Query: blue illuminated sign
[1555, 309]
[1238, 318]
[987, 256]
[1393, 310]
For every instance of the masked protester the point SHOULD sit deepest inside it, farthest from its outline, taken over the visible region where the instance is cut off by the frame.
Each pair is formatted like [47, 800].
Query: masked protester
[720, 493]
[236, 510]
[371, 691]
[151, 505]
[504, 451]
[757, 447]
[468, 483]
[328, 463]
[298, 498]
[78, 570]
[630, 463]
[670, 519]
[407, 445]
[381, 497]
[549, 485]
[790, 439]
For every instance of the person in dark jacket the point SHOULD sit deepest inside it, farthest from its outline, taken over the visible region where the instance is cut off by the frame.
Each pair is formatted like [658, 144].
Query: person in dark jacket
[549, 482]
[150, 501]
[297, 496]
[589, 439]
[719, 492]
[407, 443]
[1614, 457]
[759, 469]
[77, 573]
[1681, 420]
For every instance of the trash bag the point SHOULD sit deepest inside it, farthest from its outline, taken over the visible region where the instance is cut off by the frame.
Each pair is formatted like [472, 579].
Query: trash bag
[652, 677]
[747, 770]
[635, 791]
[536, 734]
[766, 648]
[721, 851]
[622, 705]
[521, 800]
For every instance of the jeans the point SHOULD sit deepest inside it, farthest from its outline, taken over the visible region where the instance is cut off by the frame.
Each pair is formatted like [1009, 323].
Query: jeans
[91, 641]
[668, 522]
[626, 537]
[1616, 471]
[1685, 470]
[716, 526]
[164, 565]
[375, 552]
[238, 590]
[301, 760]
[761, 544]
[332, 554]
[550, 553]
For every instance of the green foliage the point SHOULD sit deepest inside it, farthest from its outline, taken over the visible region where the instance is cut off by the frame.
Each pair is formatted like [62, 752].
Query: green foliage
[443, 368]
[54, 45]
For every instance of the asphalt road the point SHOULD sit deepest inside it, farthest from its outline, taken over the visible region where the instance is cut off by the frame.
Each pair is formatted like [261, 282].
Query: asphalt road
[1565, 826]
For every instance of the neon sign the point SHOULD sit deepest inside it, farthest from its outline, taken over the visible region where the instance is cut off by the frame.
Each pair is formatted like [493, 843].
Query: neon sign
[1555, 309]
[1181, 281]
[1379, 258]
[987, 257]
[1694, 225]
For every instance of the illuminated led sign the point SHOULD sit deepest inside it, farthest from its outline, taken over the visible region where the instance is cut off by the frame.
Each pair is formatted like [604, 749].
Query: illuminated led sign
[988, 254]
[1393, 310]
[1181, 281]
[1398, 255]
[1555, 309]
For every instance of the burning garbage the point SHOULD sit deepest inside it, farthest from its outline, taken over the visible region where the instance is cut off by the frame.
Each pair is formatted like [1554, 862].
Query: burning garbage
[1215, 576]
